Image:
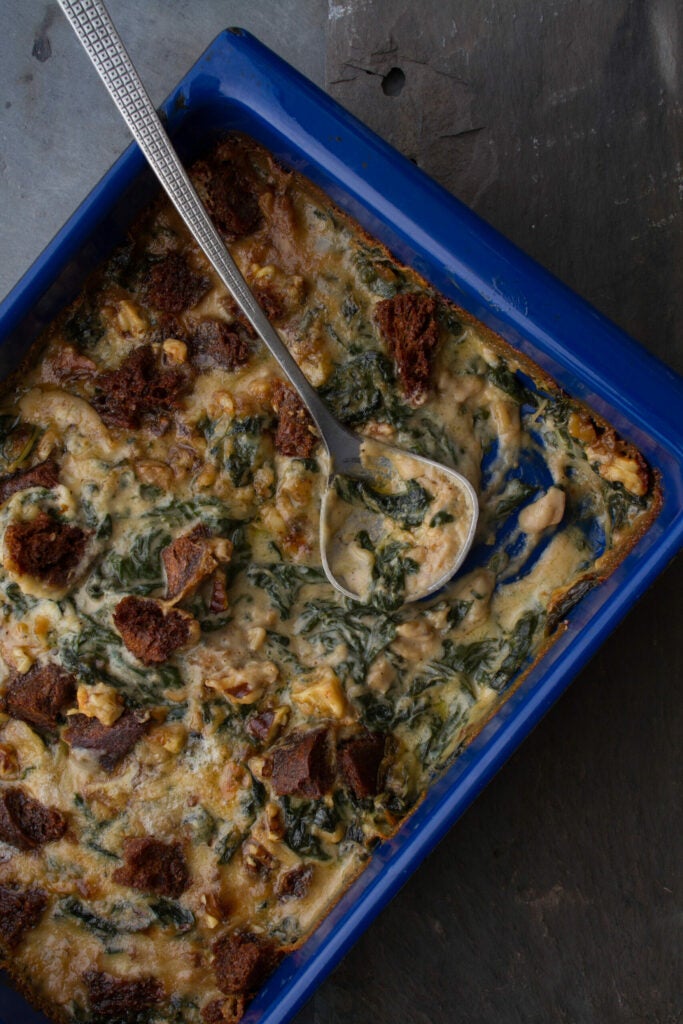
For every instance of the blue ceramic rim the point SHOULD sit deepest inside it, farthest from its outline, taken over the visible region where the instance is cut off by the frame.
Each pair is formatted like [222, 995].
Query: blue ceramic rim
[248, 87]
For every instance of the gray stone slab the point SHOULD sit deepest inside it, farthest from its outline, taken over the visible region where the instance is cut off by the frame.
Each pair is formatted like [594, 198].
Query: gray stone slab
[60, 131]
[559, 123]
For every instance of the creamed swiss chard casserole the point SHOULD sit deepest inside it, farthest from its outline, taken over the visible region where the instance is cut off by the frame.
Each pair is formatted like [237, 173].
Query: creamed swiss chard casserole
[201, 741]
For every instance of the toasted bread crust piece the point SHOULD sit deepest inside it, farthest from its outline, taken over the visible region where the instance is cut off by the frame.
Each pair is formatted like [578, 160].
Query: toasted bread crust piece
[214, 343]
[410, 329]
[154, 866]
[25, 823]
[110, 743]
[121, 999]
[41, 695]
[301, 765]
[139, 389]
[45, 549]
[242, 962]
[172, 286]
[148, 632]
[359, 760]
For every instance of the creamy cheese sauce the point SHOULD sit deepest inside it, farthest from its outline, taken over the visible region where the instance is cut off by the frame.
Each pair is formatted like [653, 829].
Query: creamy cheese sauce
[561, 499]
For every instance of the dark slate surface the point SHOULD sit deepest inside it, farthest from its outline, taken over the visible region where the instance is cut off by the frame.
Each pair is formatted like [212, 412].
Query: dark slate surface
[557, 897]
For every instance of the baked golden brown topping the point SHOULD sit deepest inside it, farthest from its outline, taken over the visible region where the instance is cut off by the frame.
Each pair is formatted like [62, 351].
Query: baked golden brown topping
[201, 741]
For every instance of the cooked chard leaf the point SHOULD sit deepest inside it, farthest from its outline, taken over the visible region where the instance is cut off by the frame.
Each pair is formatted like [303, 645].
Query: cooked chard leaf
[425, 437]
[559, 611]
[471, 659]
[377, 272]
[621, 504]
[202, 824]
[138, 572]
[408, 507]
[69, 906]
[300, 819]
[363, 388]
[282, 582]
[101, 526]
[518, 645]
[84, 327]
[17, 441]
[227, 846]
[349, 308]
[457, 611]
[172, 914]
[209, 511]
[515, 495]
[21, 603]
[364, 632]
[376, 712]
[441, 518]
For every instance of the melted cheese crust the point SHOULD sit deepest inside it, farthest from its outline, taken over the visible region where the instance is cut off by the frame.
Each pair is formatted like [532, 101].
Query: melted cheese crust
[559, 507]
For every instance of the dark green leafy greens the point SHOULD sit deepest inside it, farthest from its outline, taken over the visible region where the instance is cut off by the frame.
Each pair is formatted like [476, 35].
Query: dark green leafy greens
[364, 632]
[518, 645]
[515, 495]
[406, 507]
[139, 571]
[377, 272]
[390, 568]
[17, 441]
[508, 381]
[300, 820]
[84, 327]
[282, 581]
[364, 388]
[172, 914]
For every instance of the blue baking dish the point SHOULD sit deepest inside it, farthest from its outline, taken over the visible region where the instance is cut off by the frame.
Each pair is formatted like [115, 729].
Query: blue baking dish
[238, 84]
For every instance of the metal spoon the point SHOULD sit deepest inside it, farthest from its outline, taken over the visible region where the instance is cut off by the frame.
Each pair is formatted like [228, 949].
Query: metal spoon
[94, 28]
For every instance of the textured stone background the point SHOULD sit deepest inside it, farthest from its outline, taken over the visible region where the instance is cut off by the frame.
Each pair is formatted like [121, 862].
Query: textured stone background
[557, 897]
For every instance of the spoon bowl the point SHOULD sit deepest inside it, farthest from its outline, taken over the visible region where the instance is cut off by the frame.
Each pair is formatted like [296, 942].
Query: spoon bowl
[394, 526]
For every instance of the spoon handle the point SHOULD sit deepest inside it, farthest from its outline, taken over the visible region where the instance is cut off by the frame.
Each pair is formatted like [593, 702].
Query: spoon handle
[95, 29]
